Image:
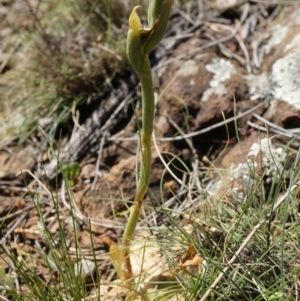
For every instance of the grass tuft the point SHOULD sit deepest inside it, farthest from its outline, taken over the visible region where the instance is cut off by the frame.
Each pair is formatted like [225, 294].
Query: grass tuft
[67, 55]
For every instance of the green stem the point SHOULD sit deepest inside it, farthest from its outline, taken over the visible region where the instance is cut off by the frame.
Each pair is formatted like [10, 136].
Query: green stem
[147, 98]
[140, 41]
[145, 168]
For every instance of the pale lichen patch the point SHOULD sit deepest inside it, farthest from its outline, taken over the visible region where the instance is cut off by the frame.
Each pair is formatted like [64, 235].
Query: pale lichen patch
[278, 33]
[259, 86]
[295, 43]
[263, 160]
[219, 90]
[222, 70]
[286, 78]
[263, 152]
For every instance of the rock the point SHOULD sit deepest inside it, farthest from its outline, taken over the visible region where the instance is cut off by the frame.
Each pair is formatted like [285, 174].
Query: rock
[256, 158]
[14, 163]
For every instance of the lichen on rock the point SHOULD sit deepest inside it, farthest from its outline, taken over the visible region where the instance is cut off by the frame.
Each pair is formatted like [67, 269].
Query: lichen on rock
[222, 70]
[286, 78]
[263, 161]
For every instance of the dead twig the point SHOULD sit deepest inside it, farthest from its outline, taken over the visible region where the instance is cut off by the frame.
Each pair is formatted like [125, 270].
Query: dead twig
[208, 129]
[198, 49]
[200, 132]
[11, 229]
[194, 175]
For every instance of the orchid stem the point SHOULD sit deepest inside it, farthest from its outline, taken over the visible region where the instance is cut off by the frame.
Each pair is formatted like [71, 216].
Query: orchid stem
[140, 42]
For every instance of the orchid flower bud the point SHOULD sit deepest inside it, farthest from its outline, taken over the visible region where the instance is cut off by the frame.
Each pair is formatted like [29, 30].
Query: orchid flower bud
[134, 49]
[158, 17]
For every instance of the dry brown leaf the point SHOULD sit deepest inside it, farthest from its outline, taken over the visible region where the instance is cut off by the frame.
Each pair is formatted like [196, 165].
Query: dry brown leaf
[192, 261]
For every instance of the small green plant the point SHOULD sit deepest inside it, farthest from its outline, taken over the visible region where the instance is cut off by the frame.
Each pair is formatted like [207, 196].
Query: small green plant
[71, 171]
[140, 42]
[6, 280]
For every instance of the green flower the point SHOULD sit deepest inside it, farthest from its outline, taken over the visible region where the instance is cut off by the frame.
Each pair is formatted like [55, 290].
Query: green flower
[141, 41]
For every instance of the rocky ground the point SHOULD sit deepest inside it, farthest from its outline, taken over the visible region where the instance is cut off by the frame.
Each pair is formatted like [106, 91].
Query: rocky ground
[226, 76]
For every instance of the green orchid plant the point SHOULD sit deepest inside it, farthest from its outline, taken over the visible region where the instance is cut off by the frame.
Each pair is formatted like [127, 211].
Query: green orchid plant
[140, 42]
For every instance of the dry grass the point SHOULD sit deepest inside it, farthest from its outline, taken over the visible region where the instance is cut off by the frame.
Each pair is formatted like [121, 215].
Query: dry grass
[56, 56]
